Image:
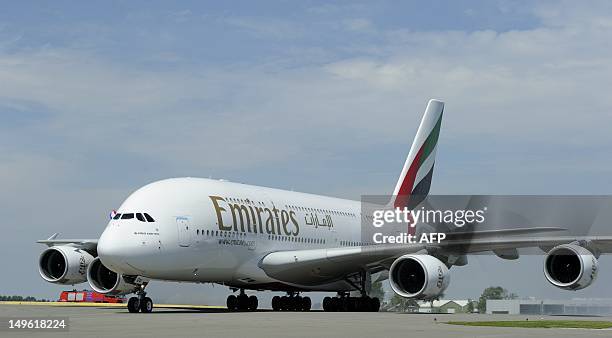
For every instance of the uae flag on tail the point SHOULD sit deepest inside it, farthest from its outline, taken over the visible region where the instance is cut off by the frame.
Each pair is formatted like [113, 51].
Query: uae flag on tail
[415, 179]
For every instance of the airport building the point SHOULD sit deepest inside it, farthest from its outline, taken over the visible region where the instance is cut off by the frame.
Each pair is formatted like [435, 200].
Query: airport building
[444, 306]
[550, 307]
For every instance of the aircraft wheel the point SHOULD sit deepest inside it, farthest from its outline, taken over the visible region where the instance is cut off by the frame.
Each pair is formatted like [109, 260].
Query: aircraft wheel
[133, 305]
[327, 304]
[345, 304]
[364, 304]
[253, 303]
[355, 304]
[335, 304]
[284, 303]
[243, 302]
[146, 306]
[276, 303]
[296, 303]
[374, 304]
[359, 304]
[306, 304]
[232, 303]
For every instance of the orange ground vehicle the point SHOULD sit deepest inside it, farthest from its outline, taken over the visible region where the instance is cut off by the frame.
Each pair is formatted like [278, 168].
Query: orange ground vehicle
[88, 296]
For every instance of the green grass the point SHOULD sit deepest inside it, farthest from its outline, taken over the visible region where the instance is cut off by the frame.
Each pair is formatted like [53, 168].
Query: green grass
[576, 324]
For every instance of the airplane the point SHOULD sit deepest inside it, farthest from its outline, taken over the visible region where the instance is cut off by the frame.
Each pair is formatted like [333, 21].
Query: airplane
[255, 238]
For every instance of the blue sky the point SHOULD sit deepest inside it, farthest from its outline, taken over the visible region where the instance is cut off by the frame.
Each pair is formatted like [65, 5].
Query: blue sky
[210, 33]
[324, 97]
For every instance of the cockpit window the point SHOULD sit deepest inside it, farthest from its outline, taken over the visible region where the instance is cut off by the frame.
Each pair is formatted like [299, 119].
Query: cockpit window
[140, 217]
[127, 216]
[117, 216]
[149, 218]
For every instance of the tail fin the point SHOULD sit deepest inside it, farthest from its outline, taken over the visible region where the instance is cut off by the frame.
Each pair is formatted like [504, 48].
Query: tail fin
[414, 182]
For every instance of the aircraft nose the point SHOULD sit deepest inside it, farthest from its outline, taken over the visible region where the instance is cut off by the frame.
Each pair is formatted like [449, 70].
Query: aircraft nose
[112, 249]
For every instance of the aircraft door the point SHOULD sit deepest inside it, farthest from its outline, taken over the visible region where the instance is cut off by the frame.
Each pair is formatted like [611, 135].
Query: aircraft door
[184, 233]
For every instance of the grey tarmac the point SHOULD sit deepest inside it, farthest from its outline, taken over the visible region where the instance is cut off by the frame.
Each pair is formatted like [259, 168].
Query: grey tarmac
[191, 322]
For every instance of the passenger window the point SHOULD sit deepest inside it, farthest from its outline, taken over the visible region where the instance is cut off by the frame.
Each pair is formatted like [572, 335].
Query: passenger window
[127, 216]
[140, 217]
[117, 216]
[148, 217]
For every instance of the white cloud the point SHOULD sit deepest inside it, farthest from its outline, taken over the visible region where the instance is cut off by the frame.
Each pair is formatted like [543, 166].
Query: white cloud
[234, 114]
[268, 28]
[358, 25]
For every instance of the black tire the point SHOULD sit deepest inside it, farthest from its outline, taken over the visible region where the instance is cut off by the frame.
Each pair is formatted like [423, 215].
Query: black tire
[285, 303]
[276, 303]
[335, 304]
[253, 303]
[350, 304]
[133, 305]
[374, 304]
[232, 303]
[243, 303]
[345, 304]
[296, 303]
[364, 304]
[306, 304]
[146, 306]
[327, 304]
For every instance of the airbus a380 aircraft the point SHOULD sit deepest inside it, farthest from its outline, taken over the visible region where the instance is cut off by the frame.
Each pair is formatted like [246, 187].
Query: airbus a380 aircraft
[255, 238]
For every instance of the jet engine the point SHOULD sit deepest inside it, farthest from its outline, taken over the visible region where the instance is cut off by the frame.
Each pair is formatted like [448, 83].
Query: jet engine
[103, 280]
[570, 267]
[64, 264]
[418, 276]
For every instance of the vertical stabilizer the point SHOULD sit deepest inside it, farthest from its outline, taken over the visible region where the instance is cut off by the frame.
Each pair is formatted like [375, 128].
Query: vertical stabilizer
[414, 181]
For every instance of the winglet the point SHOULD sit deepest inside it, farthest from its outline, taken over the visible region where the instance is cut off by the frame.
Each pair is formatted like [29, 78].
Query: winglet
[54, 236]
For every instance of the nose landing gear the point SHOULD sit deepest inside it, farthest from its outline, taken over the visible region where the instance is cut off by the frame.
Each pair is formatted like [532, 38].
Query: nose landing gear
[140, 303]
[242, 302]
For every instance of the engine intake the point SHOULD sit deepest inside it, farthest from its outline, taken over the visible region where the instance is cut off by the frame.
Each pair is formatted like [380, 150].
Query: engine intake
[418, 276]
[103, 280]
[64, 264]
[570, 267]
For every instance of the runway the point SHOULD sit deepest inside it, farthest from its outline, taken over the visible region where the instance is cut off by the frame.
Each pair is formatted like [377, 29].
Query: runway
[185, 320]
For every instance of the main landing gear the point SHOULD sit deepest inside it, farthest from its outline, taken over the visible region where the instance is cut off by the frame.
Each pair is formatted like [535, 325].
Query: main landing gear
[141, 302]
[344, 302]
[352, 304]
[242, 302]
[292, 302]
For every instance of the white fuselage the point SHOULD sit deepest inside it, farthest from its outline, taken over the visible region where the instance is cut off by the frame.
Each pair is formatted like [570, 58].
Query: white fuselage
[217, 231]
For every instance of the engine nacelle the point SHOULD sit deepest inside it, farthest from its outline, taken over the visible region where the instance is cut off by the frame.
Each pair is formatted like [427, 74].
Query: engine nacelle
[64, 264]
[108, 282]
[570, 267]
[418, 276]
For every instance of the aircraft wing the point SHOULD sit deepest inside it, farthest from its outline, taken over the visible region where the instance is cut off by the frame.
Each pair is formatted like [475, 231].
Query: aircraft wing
[86, 244]
[318, 266]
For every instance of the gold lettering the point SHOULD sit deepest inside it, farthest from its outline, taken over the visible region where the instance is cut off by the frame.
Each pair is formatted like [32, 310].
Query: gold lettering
[240, 208]
[270, 222]
[294, 221]
[254, 219]
[278, 225]
[285, 220]
[218, 209]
